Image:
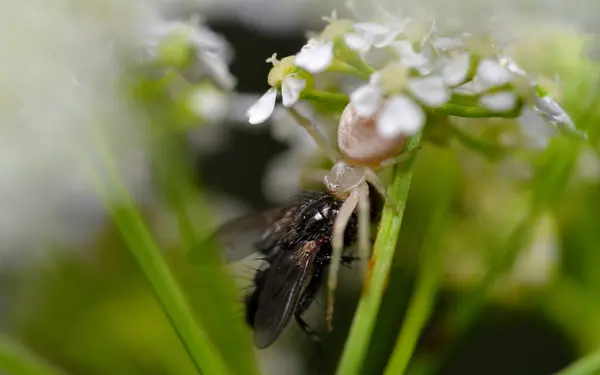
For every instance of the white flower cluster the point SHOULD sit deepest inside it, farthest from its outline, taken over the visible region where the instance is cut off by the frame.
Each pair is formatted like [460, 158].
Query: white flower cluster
[211, 52]
[412, 70]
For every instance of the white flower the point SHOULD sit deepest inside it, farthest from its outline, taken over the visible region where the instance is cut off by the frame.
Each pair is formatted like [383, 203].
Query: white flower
[212, 52]
[315, 56]
[431, 91]
[209, 104]
[398, 114]
[492, 74]
[552, 112]
[367, 35]
[291, 87]
[409, 57]
[283, 73]
[536, 131]
[455, 70]
[366, 100]
[447, 44]
[499, 101]
[263, 108]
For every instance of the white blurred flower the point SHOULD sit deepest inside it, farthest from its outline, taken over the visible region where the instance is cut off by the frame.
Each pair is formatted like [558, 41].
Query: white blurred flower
[209, 104]
[212, 53]
[283, 73]
[367, 35]
[492, 74]
[536, 131]
[409, 57]
[552, 112]
[454, 70]
[396, 112]
[52, 112]
[503, 101]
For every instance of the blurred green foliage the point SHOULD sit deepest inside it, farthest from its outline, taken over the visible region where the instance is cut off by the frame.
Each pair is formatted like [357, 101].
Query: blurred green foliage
[94, 313]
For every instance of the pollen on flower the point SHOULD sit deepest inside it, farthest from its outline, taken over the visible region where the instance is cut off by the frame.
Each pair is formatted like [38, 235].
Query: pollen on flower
[393, 77]
[280, 69]
[336, 29]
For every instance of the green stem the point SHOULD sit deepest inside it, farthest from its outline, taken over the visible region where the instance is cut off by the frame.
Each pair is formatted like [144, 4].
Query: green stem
[342, 67]
[325, 97]
[423, 299]
[588, 365]
[350, 57]
[196, 341]
[451, 109]
[17, 360]
[383, 254]
[490, 151]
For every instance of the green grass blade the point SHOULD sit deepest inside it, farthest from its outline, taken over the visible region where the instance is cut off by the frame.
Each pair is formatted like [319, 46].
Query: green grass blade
[588, 365]
[383, 253]
[196, 341]
[423, 299]
[17, 360]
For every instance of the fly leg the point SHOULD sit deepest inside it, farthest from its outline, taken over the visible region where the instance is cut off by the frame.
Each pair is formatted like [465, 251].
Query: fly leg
[306, 300]
[346, 260]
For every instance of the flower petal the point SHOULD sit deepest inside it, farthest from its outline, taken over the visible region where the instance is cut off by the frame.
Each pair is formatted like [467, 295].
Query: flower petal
[432, 91]
[408, 56]
[512, 66]
[550, 110]
[456, 69]
[358, 42]
[218, 70]
[315, 57]
[492, 74]
[291, 88]
[366, 100]
[263, 108]
[400, 115]
[371, 28]
[446, 44]
[537, 132]
[499, 101]
[385, 40]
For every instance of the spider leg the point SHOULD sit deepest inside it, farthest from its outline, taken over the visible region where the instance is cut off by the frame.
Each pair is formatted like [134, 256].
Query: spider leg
[339, 228]
[364, 222]
[372, 177]
[315, 133]
[311, 333]
[402, 158]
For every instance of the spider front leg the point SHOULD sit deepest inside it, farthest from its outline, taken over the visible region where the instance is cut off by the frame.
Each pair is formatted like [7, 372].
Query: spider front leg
[372, 177]
[364, 224]
[339, 229]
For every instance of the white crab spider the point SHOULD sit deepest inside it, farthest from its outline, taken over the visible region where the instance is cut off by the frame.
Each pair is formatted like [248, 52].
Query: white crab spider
[362, 153]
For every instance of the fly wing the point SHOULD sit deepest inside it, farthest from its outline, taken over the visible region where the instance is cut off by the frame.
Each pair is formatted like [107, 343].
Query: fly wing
[283, 285]
[240, 237]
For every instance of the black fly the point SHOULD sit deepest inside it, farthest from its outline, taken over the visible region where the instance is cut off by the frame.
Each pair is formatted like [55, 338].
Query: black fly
[295, 242]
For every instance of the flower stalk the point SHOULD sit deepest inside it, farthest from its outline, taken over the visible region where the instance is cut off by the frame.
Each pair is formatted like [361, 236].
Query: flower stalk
[365, 317]
[138, 238]
[423, 300]
[17, 360]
